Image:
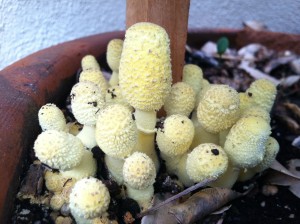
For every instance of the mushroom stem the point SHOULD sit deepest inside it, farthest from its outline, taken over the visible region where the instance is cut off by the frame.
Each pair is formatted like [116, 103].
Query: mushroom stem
[87, 136]
[228, 178]
[145, 120]
[142, 196]
[115, 168]
[145, 144]
[114, 79]
[182, 173]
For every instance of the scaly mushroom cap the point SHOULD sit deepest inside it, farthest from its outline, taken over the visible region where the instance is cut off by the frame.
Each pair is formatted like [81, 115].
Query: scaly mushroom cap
[181, 100]
[272, 148]
[219, 108]
[193, 75]
[59, 150]
[246, 102]
[113, 53]
[51, 118]
[245, 142]
[207, 160]
[96, 77]
[139, 171]
[176, 136]
[86, 102]
[86, 168]
[263, 92]
[257, 111]
[89, 62]
[145, 68]
[89, 198]
[54, 181]
[116, 131]
[114, 95]
[205, 86]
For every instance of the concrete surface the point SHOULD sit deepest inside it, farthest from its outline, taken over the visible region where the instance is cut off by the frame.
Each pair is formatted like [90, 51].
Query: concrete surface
[29, 25]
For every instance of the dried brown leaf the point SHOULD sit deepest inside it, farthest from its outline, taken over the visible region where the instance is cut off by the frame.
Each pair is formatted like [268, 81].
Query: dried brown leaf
[202, 204]
[294, 109]
[296, 142]
[175, 197]
[32, 184]
[286, 177]
[162, 215]
[289, 123]
[294, 167]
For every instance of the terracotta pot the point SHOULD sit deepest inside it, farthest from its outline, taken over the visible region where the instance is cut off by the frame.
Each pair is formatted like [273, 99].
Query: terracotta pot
[47, 76]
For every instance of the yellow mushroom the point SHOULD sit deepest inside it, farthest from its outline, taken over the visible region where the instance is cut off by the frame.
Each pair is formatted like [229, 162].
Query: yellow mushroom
[86, 103]
[174, 139]
[116, 135]
[114, 95]
[263, 93]
[86, 168]
[91, 72]
[145, 78]
[193, 75]
[201, 135]
[59, 150]
[272, 148]
[257, 111]
[181, 100]
[52, 118]
[219, 108]
[145, 72]
[89, 198]
[113, 56]
[89, 62]
[245, 143]
[206, 161]
[139, 176]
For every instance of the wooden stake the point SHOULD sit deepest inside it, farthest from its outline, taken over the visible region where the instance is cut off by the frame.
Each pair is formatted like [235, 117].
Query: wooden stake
[170, 14]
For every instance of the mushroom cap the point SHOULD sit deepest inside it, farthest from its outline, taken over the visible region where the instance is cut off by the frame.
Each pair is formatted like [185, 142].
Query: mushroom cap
[113, 53]
[86, 168]
[145, 68]
[94, 76]
[181, 100]
[176, 136]
[86, 102]
[219, 108]
[59, 150]
[272, 148]
[89, 62]
[245, 142]
[245, 101]
[139, 171]
[54, 181]
[193, 75]
[207, 160]
[257, 111]
[263, 92]
[89, 198]
[51, 118]
[116, 131]
[114, 95]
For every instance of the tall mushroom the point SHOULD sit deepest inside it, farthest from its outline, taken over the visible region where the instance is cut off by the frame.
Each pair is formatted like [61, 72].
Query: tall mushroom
[145, 77]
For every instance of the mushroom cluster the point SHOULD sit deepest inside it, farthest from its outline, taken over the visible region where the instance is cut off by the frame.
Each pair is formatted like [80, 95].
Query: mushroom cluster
[210, 130]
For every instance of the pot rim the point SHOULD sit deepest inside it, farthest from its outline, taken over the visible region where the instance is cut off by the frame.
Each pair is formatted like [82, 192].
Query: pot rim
[41, 77]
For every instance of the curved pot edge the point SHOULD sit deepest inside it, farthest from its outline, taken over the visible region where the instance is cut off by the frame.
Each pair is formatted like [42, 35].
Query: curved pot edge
[25, 86]
[41, 77]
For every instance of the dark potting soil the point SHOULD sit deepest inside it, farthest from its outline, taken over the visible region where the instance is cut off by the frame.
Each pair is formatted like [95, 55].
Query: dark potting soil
[278, 205]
